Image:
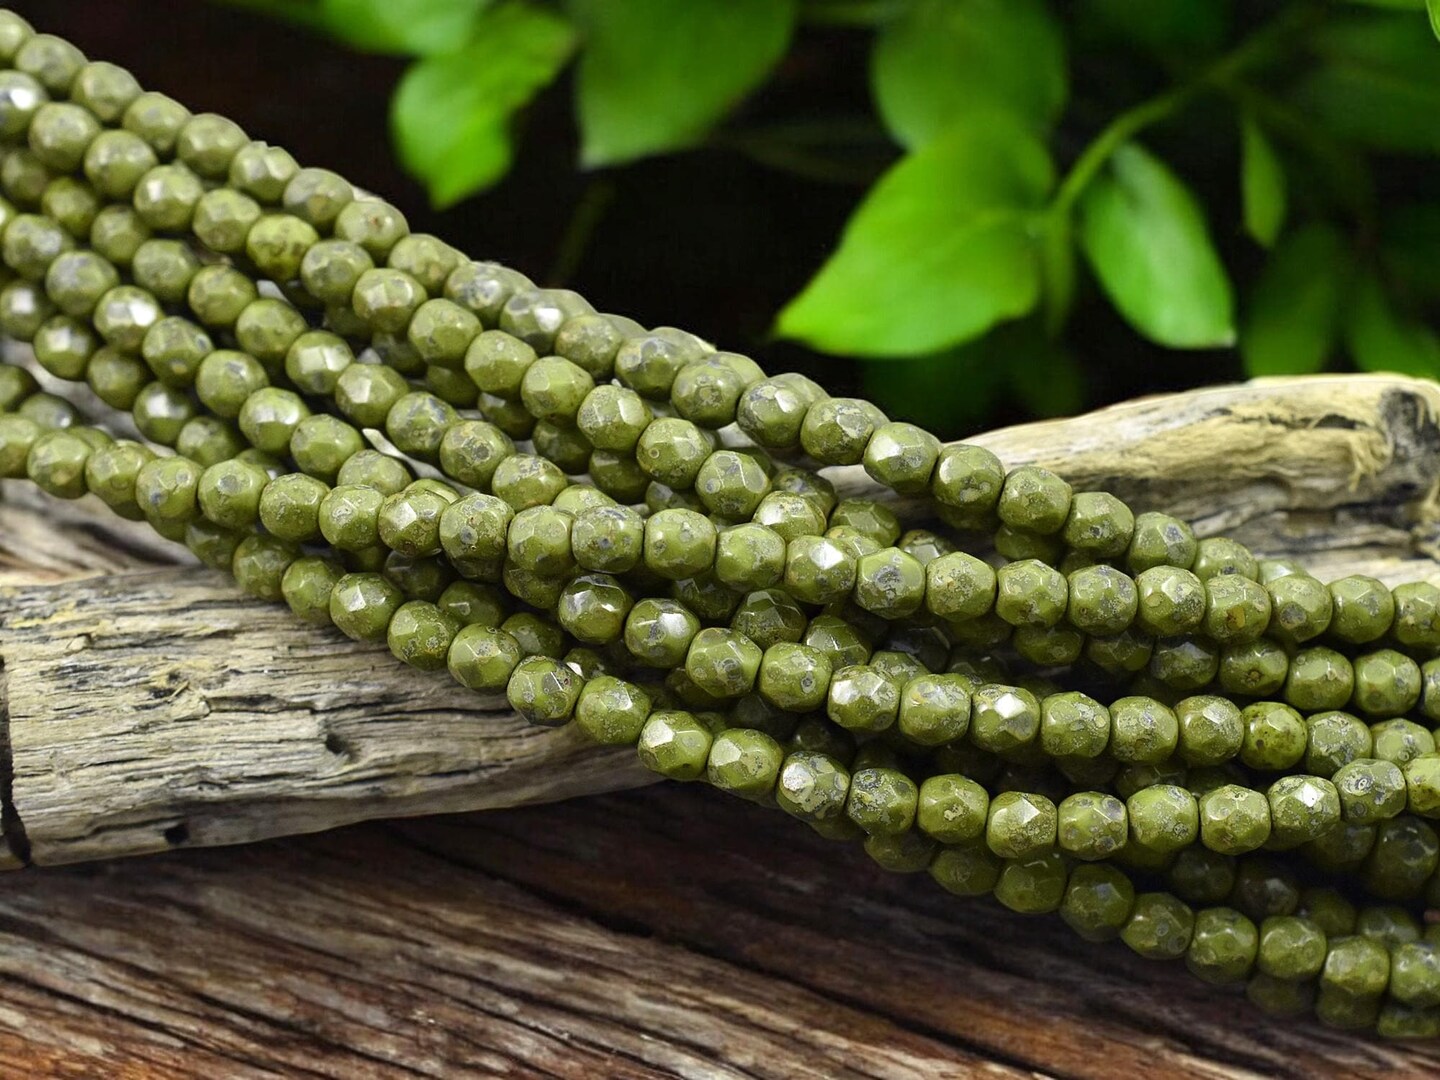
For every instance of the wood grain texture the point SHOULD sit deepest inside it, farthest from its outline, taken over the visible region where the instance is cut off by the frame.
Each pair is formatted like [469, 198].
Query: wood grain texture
[663, 932]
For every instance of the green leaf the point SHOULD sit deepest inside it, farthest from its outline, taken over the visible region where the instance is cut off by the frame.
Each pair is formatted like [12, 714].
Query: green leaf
[1378, 84]
[941, 249]
[1262, 184]
[1433, 7]
[948, 60]
[418, 27]
[1293, 319]
[1146, 239]
[1057, 270]
[1381, 339]
[657, 75]
[451, 113]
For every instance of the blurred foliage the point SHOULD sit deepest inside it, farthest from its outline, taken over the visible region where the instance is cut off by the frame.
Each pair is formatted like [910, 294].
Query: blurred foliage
[1260, 176]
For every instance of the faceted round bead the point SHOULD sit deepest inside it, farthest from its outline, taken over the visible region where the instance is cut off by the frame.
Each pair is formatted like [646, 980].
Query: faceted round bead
[818, 570]
[290, 507]
[672, 451]
[427, 259]
[420, 634]
[1100, 600]
[1160, 927]
[1387, 683]
[907, 853]
[969, 869]
[1422, 785]
[772, 412]
[1255, 669]
[349, 517]
[722, 662]
[679, 544]
[731, 484]
[608, 538]
[1402, 859]
[64, 346]
[31, 243]
[1343, 849]
[1334, 740]
[794, 677]
[259, 566]
[1417, 615]
[1033, 885]
[306, 586]
[1160, 540]
[959, 586]
[1003, 718]
[1362, 609]
[539, 541]
[1400, 740]
[1300, 607]
[409, 521]
[1099, 524]
[675, 744]
[56, 463]
[317, 196]
[471, 451]
[536, 636]
[1201, 876]
[1301, 808]
[1320, 678]
[161, 413]
[592, 340]
[902, 457]
[1143, 731]
[118, 234]
[707, 392]
[370, 468]
[611, 711]
[1290, 948]
[1163, 818]
[744, 762]
[1218, 556]
[837, 639]
[229, 494]
[110, 474]
[21, 97]
[613, 418]
[1370, 790]
[535, 316]
[1171, 601]
[1237, 610]
[60, 133]
[543, 690]
[790, 515]
[1092, 825]
[1034, 500]
[1098, 901]
[882, 801]
[1275, 737]
[650, 363]
[1030, 593]
[836, 431]
[860, 698]
[1358, 967]
[1415, 974]
[52, 61]
[553, 389]
[1234, 820]
[890, 584]
[166, 490]
[769, 617]
[470, 604]
[593, 608]
[1223, 946]
[967, 481]
[659, 632]
[952, 808]
[1211, 730]
[934, 709]
[1073, 725]
[166, 198]
[749, 557]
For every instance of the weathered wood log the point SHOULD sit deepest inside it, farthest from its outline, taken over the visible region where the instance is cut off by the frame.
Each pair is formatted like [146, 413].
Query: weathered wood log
[160, 708]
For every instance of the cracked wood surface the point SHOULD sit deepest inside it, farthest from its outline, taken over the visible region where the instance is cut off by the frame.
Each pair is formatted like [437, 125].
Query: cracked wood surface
[661, 932]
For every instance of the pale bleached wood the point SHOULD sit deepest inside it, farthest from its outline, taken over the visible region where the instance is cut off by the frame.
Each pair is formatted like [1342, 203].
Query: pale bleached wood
[151, 709]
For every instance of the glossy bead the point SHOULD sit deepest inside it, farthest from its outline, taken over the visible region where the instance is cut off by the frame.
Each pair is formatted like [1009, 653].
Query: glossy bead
[1003, 718]
[1201, 876]
[659, 632]
[217, 295]
[1321, 678]
[1334, 740]
[56, 463]
[1073, 725]
[1218, 556]
[731, 484]
[818, 570]
[1404, 855]
[592, 340]
[1255, 669]
[1275, 736]
[675, 744]
[1098, 901]
[259, 566]
[934, 709]
[1211, 730]
[1387, 683]
[1091, 825]
[1417, 615]
[1400, 741]
[749, 557]
[707, 391]
[1422, 785]
[1370, 790]
[1356, 966]
[1143, 731]
[1099, 525]
[1223, 946]
[613, 418]
[166, 490]
[1160, 927]
[882, 801]
[593, 608]
[745, 763]
[1300, 607]
[1163, 818]
[679, 544]
[723, 663]
[1363, 609]
[536, 315]
[836, 431]
[959, 586]
[543, 690]
[420, 635]
[794, 676]
[1290, 948]
[1160, 540]
[60, 133]
[53, 62]
[969, 869]
[902, 457]
[1034, 884]
[862, 699]
[952, 808]
[1171, 601]
[1415, 974]
[290, 507]
[1301, 808]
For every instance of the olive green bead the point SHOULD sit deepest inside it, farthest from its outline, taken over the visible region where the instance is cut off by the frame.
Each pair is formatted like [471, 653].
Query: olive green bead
[1048, 646]
[261, 171]
[952, 808]
[890, 583]
[1329, 910]
[1255, 669]
[744, 762]
[56, 463]
[420, 635]
[110, 474]
[836, 431]
[1218, 556]
[1302, 808]
[959, 586]
[1098, 901]
[1237, 610]
[1300, 607]
[290, 507]
[1370, 790]
[1400, 740]
[613, 418]
[1171, 601]
[217, 295]
[497, 363]
[1201, 876]
[675, 744]
[63, 347]
[593, 608]
[1099, 524]
[524, 480]
[1417, 615]
[229, 494]
[49, 411]
[1003, 718]
[1387, 683]
[790, 515]
[21, 97]
[417, 423]
[1275, 736]
[969, 869]
[227, 381]
[679, 544]
[1159, 541]
[620, 476]
[166, 198]
[1355, 966]
[269, 417]
[1422, 785]
[55, 63]
[1163, 818]
[116, 377]
[1160, 927]
[157, 119]
[259, 567]
[1342, 849]
[1415, 974]
[170, 271]
[934, 709]
[1034, 884]
[544, 691]
[427, 259]
[1334, 740]
[277, 244]
[1389, 924]
[24, 307]
[472, 604]
[330, 270]
[409, 521]
[118, 234]
[837, 639]
[349, 517]
[1321, 678]
[769, 617]
[76, 280]
[167, 490]
[659, 632]
[71, 203]
[1280, 998]
[60, 133]
[1211, 730]
[215, 546]
[907, 853]
[673, 451]
[374, 225]
[125, 315]
[16, 384]
[707, 392]
[1223, 946]
[366, 393]
[749, 557]
[1030, 593]
[794, 676]
[23, 178]
[306, 587]
[536, 315]
[317, 196]
[902, 457]
[1290, 948]
[1143, 730]
[31, 243]
[553, 389]
[1234, 820]
[1100, 600]
[882, 801]
[818, 570]
[386, 299]
[592, 340]
[611, 711]
[731, 484]
[860, 698]
[483, 657]
[722, 662]
[1073, 725]
[1363, 609]
[1091, 825]
[1402, 858]
[1034, 500]
[223, 220]
[266, 329]
[370, 468]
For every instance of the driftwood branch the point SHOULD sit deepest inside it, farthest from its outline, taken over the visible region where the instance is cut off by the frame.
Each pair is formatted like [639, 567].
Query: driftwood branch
[152, 706]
